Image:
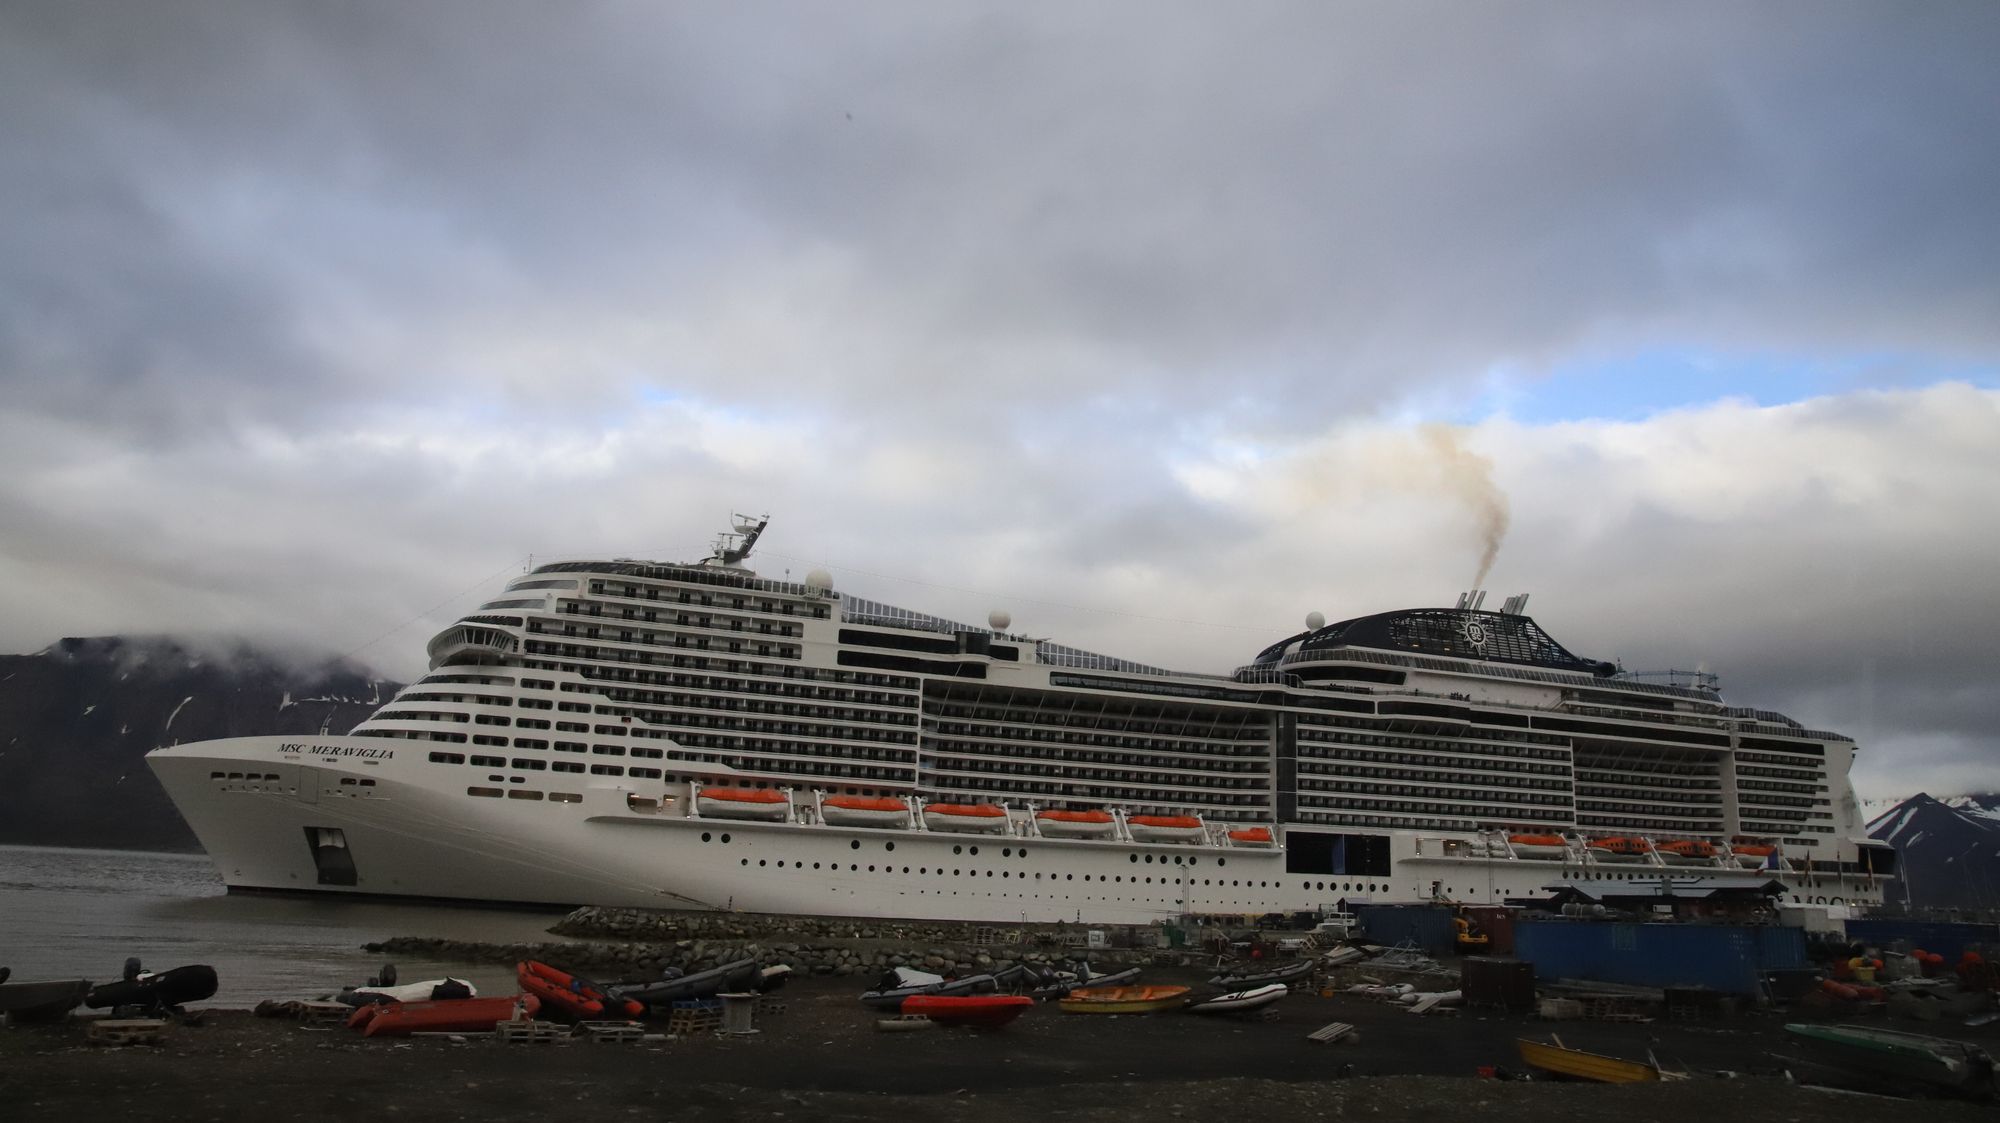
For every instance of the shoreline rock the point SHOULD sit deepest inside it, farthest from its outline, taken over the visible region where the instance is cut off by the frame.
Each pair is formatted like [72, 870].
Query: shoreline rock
[641, 942]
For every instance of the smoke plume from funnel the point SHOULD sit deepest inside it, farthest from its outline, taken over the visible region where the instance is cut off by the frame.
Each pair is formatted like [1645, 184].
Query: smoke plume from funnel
[1470, 477]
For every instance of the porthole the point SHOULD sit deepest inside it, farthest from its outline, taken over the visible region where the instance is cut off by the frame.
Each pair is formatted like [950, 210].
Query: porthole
[923, 869]
[1134, 858]
[760, 862]
[871, 869]
[1006, 852]
[745, 862]
[725, 838]
[958, 849]
[854, 844]
[705, 836]
[1222, 861]
[975, 851]
[815, 865]
[888, 846]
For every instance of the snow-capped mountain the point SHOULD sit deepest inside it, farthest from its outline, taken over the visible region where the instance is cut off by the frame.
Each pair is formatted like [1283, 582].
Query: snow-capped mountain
[1949, 851]
[78, 717]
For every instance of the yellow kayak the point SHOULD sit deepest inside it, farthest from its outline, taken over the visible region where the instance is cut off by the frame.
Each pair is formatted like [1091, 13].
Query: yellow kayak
[1123, 1000]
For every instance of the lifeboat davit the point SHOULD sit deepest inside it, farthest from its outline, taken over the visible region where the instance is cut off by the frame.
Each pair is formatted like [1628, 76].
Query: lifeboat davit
[1542, 846]
[966, 818]
[743, 803]
[864, 811]
[1165, 828]
[1251, 836]
[1687, 851]
[1075, 824]
[1620, 849]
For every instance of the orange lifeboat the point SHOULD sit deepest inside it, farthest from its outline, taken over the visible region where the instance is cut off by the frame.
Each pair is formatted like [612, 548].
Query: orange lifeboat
[864, 811]
[743, 803]
[1251, 836]
[1074, 824]
[1752, 855]
[1620, 849]
[1687, 850]
[966, 818]
[1543, 846]
[1166, 828]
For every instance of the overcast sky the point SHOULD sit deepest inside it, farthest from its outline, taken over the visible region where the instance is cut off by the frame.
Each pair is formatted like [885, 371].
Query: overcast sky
[1157, 325]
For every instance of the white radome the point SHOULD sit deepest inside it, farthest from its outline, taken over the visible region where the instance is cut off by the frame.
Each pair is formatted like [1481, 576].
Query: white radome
[819, 581]
[998, 620]
[1315, 621]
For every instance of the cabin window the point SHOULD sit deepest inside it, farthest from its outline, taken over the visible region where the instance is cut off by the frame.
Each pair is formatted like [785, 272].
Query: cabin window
[489, 793]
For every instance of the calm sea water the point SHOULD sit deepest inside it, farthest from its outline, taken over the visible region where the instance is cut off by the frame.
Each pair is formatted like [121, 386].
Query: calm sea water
[78, 913]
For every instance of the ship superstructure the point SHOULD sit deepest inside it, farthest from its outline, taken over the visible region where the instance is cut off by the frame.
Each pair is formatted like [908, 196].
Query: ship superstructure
[693, 735]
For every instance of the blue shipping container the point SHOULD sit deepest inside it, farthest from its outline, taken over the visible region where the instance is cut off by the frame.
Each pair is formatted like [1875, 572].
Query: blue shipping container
[1730, 958]
[1946, 938]
[1426, 927]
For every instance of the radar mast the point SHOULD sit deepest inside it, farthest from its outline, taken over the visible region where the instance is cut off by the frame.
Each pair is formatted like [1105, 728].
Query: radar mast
[732, 546]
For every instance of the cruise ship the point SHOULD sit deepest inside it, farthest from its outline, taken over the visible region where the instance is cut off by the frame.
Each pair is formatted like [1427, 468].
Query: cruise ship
[694, 736]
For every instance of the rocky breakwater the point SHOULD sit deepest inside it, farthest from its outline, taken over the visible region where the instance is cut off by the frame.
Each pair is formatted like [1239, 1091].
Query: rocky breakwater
[636, 944]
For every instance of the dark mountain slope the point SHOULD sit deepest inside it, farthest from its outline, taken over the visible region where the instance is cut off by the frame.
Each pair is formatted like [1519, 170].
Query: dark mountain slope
[77, 719]
[1950, 855]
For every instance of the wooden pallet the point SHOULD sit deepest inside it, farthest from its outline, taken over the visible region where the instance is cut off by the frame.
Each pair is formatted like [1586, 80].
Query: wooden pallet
[125, 1031]
[529, 1032]
[1333, 1032]
[770, 1004]
[610, 1033]
[694, 1019]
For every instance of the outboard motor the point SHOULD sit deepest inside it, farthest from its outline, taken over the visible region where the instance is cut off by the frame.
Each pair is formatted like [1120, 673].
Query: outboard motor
[387, 978]
[132, 968]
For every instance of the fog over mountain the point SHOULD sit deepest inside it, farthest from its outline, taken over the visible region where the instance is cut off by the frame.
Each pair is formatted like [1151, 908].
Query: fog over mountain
[77, 719]
[1158, 326]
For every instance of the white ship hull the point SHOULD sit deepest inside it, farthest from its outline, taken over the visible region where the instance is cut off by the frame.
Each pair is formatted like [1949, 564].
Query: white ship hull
[603, 732]
[406, 837]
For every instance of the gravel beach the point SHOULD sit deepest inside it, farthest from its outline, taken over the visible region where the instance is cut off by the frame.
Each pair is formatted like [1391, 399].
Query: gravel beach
[824, 1058]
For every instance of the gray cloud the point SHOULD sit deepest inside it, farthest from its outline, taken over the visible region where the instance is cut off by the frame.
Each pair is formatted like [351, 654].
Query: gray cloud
[313, 315]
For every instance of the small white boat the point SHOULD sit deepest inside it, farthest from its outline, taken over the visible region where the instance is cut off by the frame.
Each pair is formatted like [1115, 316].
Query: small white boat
[1237, 1002]
[966, 818]
[422, 991]
[864, 811]
[743, 803]
[1166, 828]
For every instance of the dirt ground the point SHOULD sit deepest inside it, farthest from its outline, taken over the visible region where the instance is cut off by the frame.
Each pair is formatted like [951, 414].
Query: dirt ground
[824, 1059]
